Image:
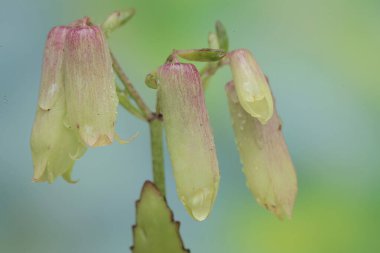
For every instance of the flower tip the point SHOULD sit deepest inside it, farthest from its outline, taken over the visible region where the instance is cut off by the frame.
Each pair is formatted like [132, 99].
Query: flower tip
[251, 85]
[67, 177]
[85, 21]
[98, 141]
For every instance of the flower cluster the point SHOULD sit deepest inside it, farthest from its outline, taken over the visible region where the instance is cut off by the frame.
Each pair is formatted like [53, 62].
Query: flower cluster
[77, 110]
[267, 164]
[78, 100]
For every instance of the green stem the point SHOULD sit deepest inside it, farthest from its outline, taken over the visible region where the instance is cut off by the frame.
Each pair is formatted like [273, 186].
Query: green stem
[210, 69]
[154, 120]
[131, 90]
[126, 103]
[155, 127]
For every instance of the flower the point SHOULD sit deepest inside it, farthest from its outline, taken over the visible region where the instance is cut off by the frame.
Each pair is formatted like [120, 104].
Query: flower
[77, 102]
[54, 147]
[90, 91]
[264, 154]
[189, 137]
[251, 85]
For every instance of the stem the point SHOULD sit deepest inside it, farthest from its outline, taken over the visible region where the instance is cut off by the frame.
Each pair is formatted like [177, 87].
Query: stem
[125, 102]
[131, 90]
[210, 69]
[155, 127]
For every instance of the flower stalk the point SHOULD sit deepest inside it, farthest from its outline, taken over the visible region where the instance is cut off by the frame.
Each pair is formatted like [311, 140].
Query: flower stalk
[131, 89]
[155, 127]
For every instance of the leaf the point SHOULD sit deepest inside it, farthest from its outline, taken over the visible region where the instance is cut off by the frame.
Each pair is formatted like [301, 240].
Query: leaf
[155, 230]
[201, 55]
[222, 36]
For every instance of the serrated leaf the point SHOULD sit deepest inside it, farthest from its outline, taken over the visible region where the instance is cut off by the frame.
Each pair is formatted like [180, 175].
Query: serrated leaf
[155, 230]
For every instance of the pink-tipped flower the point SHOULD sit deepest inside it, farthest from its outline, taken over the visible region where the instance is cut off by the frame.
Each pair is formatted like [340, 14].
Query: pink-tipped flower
[264, 154]
[54, 146]
[251, 85]
[189, 137]
[90, 90]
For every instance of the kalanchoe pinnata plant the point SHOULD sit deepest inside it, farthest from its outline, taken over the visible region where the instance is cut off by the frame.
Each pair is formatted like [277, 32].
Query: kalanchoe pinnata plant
[77, 110]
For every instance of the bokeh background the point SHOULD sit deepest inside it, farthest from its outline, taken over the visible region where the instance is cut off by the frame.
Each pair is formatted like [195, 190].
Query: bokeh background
[323, 60]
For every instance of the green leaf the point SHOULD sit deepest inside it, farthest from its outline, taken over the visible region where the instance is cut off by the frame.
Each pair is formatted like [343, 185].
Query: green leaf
[155, 230]
[202, 55]
[151, 80]
[117, 19]
[222, 36]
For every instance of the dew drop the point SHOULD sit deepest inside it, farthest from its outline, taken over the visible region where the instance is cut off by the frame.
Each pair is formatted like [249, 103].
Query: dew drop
[199, 203]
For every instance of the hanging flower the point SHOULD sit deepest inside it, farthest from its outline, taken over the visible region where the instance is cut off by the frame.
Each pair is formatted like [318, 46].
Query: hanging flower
[264, 154]
[77, 102]
[189, 137]
[90, 90]
[54, 146]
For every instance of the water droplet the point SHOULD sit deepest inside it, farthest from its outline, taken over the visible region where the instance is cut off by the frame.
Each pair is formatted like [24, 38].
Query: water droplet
[199, 203]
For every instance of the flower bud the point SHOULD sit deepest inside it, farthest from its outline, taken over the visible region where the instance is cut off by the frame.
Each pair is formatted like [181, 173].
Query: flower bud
[54, 147]
[90, 91]
[52, 76]
[251, 85]
[117, 19]
[267, 164]
[189, 137]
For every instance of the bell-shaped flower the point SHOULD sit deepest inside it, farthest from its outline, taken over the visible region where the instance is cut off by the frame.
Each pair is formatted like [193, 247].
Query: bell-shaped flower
[189, 137]
[264, 154]
[54, 146]
[90, 91]
[251, 85]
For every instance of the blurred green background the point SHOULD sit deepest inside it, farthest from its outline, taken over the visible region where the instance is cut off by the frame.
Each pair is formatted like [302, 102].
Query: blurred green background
[323, 60]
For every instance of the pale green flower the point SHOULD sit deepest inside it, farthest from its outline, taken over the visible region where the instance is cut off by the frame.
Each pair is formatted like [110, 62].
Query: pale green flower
[189, 137]
[90, 91]
[251, 85]
[266, 161]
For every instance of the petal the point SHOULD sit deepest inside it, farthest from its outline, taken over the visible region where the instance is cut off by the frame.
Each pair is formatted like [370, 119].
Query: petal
[51, 82]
